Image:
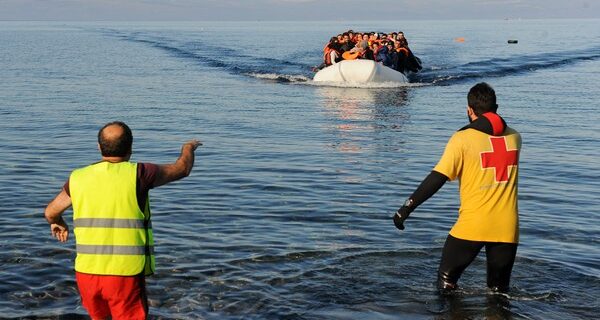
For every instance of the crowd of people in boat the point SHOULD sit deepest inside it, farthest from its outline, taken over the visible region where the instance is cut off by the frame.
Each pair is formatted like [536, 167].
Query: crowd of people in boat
[389, 49]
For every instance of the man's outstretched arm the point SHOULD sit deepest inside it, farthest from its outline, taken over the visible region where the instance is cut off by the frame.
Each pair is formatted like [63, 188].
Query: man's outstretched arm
[430, 185]
[181, 168]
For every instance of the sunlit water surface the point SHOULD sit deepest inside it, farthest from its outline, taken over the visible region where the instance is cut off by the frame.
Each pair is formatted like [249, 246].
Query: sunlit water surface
[287, 212]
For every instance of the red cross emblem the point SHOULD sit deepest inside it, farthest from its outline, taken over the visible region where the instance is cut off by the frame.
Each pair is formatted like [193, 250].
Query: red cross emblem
[500, 159]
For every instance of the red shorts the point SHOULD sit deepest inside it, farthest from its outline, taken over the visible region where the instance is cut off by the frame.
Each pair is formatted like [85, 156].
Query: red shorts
[122, 297]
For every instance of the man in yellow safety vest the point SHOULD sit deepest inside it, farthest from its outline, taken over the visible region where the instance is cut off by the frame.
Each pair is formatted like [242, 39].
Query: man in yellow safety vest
[111, 216]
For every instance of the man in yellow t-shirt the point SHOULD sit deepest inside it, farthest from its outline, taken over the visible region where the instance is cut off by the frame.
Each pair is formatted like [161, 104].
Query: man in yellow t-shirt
[484, 157]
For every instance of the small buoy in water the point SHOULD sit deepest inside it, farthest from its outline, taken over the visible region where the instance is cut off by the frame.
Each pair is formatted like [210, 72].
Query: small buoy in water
[461, 39]
[513, 41]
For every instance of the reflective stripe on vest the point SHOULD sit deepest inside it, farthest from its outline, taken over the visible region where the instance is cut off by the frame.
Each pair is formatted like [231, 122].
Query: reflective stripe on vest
[124, 250]
[113, 236]
[110, 223]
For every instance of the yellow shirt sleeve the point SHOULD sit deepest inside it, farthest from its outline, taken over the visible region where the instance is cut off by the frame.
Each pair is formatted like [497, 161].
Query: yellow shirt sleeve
[451, 162]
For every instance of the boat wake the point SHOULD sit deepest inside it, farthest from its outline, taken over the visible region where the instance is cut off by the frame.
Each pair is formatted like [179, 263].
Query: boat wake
[501, 67]
[295, 71]
[231, 60]
[284, 78]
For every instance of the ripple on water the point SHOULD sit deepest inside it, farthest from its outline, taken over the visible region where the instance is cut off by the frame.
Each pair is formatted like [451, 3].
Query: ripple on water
[286, 214]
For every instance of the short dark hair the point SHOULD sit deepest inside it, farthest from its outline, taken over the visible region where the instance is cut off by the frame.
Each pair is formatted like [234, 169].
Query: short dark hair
[116, 147]
[482, 99]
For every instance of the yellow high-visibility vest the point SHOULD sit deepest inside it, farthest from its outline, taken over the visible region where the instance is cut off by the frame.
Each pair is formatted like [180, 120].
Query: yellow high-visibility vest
[113, 235]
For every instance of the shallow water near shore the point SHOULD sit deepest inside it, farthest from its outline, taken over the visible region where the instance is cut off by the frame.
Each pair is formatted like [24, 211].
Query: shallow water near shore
[287, 212]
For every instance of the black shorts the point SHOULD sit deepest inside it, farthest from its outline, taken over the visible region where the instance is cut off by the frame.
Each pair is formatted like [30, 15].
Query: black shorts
[458, 255]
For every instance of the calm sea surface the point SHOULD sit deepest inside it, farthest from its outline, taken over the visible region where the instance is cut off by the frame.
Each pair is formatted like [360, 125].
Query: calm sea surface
[287, 212]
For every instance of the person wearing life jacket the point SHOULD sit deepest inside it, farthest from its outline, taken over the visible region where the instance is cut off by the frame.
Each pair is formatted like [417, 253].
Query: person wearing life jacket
[413, 63]
[347, 44]
[484, 157]
[373, 38]
[400, 37]
[113, 230]
[352, 36]
[331, 54]
[401, 58]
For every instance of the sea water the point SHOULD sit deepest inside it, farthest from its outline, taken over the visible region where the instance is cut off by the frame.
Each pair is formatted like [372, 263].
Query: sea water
[287, 212]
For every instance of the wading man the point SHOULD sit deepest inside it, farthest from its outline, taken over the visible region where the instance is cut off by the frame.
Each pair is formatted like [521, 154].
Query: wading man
[484, 156]
[111, 216]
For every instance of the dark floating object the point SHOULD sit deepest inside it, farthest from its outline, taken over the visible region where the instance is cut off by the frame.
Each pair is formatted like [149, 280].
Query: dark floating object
[513, 41]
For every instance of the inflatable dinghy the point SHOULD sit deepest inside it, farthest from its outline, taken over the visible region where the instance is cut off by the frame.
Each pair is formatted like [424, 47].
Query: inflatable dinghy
[359, 71]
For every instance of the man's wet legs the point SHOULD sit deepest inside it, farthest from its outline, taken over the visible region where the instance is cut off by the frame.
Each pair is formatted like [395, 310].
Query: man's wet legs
[500, 260]
[457, 255]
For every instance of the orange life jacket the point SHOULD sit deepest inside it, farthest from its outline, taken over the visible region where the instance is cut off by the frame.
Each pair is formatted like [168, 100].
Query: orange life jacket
[327, 55]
